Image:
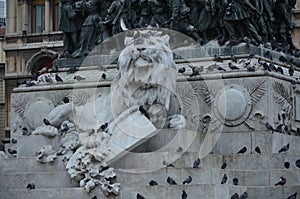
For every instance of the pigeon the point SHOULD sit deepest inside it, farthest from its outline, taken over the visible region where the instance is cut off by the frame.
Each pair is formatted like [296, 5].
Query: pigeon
[103, 76]
[291, 70]
[220, 68]
[251, 55]
[279, 70]
[217, 58]
[257, 150]
[251, 68]
[179, 149]
[48, 79]
[196, 163]
[280, 128]
[281, 182]
[297, 163]
[224, 179]
[188, 180]
[30, 186]
[235, 196]
[79, 78]
[168, 164]
[153, 183]
[18, 84]
[293, 196]
[95, 197]
[196, 70]
[268, 55]
[58, 78]
[235, 181]
[53, 69]
[34, 77]
[244, 195]
[171, 181]
[183, 195]
[272, 67]
[25, 131]
[12, 151]
[104, 126]
[66, 100]
[243, 150]
[233, 67]
[287, 165]
[14, 141]
[284, 148]
[269, 127]
[71, 70]
[143, 111]
[181, 70]
[139, 196]
[30, 83]
[46, 121]
[64, 129]
[233, 58]
[224, 165]
[283, 59]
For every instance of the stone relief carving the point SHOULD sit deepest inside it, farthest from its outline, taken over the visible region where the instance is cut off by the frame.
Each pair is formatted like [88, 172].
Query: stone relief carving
[243, 99]
[46, 154]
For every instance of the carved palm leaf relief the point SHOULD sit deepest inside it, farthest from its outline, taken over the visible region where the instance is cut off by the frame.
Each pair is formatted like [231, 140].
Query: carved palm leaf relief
[208, 95]
[58, 97]
[80, 97]
[282, 97]
[188, 95]
[19, 104]
[257, 91]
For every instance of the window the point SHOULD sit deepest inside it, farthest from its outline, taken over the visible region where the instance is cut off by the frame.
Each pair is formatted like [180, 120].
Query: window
[39, 18]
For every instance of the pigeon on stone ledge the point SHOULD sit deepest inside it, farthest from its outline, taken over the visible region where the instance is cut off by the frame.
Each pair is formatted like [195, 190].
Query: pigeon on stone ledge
[294, 196]
[235, 181]
[188, 180]
[30, 186]
[235, 196]
[167, 164]
[243, 150]
[196, 163]
[281, 182]
[244, 195]
[183, 195]
[153, 183]
[257, 150]
[224, 165]
[139, 196]
[224, 179]
[171, 181]
[284, 148]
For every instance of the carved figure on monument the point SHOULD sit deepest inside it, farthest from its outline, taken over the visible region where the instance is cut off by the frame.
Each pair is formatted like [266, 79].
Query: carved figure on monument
[237, 14]
[283, 22]
[70, 23]
[89, 30]
[179, 19]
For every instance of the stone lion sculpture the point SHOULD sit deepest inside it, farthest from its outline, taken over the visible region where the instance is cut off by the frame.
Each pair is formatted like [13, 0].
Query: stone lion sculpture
[146, 81]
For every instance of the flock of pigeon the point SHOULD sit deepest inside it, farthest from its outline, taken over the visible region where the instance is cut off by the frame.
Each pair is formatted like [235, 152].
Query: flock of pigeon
[237, 64]
[49, 76]
[224, 180]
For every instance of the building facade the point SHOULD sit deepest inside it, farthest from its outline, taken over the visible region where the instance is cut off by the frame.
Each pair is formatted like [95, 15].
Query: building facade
[32, 40]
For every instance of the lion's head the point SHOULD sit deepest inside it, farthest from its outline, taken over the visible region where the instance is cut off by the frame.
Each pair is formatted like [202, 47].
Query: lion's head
[147, 73]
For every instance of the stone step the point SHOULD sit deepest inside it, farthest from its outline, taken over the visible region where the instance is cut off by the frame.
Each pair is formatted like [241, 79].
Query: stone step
[208, 191]
[51, 193]
[27, 146]
[40, 179]
[186, 160]
[208, 176]
[23, 164]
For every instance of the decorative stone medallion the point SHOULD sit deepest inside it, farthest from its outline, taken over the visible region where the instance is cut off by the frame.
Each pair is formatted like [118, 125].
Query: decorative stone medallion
[232, 105]
[36, 111]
